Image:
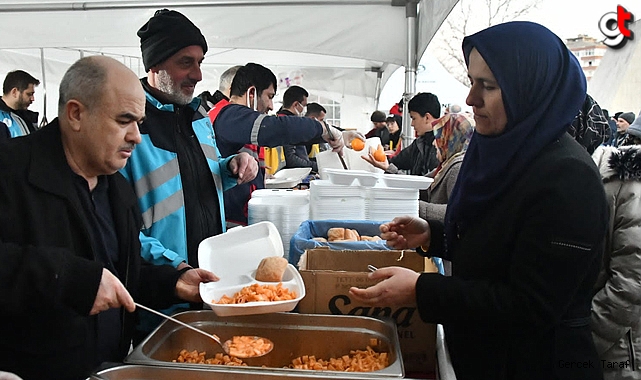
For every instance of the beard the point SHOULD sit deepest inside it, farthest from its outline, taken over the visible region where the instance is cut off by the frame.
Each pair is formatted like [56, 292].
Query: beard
[22, 104]
[172, 90]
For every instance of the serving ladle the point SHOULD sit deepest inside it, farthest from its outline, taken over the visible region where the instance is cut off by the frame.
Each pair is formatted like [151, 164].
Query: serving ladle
[227, 346]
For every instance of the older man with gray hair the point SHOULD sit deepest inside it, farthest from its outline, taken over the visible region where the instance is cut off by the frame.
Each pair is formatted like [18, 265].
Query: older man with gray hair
[70, 226]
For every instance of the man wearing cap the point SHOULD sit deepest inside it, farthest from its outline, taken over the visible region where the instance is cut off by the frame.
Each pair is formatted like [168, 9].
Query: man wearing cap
[379, 119]
[623, 122]
[176, 171]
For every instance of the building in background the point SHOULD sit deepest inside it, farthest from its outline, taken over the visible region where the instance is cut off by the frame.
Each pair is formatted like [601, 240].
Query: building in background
[589, 52]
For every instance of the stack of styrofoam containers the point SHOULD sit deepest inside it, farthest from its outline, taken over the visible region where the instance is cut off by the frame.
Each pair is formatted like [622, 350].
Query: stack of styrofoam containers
[386, 203]
[286, 209]
[334, 201]
[395, 195]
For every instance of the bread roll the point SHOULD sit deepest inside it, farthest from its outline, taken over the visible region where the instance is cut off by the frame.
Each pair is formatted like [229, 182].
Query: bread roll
[336, 233]
[271, 269]
[351, 235]
[320, 239]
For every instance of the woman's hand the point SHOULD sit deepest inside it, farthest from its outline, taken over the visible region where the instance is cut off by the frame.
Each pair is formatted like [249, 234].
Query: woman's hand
[406, 232]
[397, 288]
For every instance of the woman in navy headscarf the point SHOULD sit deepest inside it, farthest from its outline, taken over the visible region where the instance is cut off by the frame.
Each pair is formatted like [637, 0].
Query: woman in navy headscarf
[524, 226]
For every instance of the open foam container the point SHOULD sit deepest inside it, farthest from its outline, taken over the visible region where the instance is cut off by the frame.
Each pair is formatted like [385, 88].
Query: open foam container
[234, 257]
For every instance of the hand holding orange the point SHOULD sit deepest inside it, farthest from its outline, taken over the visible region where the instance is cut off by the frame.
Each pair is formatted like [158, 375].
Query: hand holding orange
[358, 144]
[379, 154]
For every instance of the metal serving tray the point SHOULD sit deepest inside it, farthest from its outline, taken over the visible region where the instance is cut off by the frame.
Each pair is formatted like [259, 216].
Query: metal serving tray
[293, 334]
[141, 372]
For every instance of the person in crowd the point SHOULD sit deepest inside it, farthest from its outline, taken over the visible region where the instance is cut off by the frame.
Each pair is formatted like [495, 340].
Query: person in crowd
[524, 226]
[420, 157]
[295, 104]
[454, 108]
[623, 122]
[318, 112]
[394, 124]
[208, 100]
[244, 120]
[616, 306]
[397, 108]
[632, 133]
[70, 232]
[176, 171]
[18, 91]
[452, 134]
[590, 126]
[379, 120]
[611, 124]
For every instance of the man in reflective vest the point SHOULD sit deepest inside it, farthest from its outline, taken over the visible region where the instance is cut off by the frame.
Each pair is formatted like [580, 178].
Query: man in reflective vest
[177, 172]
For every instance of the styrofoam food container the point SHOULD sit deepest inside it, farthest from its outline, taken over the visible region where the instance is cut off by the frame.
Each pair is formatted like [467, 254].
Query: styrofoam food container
[407, 181]
[287, 178]
[234, 257]
[346, 177]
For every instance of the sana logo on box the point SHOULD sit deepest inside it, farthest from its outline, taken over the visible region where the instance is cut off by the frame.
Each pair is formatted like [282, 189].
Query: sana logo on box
[615, 27]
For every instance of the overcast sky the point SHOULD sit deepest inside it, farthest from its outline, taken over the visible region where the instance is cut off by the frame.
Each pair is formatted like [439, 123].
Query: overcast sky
[568, 18]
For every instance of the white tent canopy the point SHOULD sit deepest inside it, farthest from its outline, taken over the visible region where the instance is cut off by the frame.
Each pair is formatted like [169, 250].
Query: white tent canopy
[616, 82]
[337, 49]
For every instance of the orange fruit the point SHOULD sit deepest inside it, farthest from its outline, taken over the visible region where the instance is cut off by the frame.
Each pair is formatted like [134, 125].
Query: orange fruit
[379, 155]
[358, 144]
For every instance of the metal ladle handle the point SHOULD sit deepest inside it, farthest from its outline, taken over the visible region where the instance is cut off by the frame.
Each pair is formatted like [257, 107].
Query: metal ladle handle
[211, 336]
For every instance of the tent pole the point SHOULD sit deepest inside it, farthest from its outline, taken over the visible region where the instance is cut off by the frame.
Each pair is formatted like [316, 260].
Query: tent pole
[44, 120]
[411, 12]
[377, 90]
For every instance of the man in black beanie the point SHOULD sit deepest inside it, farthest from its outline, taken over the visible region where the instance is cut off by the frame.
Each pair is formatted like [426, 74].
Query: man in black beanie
[176, 171]
[623, 122]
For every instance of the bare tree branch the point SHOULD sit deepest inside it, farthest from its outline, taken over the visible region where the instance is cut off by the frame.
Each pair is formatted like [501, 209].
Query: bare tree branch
[470, 16]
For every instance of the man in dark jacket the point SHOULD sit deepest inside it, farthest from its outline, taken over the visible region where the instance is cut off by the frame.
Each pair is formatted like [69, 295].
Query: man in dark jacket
[244, 120]
[69, 238]
[295, 104]
[18, 91]
[420, 157]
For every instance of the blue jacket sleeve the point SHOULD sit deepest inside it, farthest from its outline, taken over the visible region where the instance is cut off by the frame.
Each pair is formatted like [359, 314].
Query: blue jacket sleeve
[229, 179]
[238, 125]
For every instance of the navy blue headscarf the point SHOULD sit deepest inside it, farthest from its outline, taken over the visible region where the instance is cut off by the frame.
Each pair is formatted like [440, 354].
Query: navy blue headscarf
[543, 88]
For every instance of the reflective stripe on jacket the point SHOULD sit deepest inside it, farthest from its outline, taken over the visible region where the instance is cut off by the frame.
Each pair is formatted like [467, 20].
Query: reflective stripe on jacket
[155, 175]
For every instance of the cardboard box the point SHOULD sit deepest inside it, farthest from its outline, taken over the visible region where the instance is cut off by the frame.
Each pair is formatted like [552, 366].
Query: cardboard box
[328, 275]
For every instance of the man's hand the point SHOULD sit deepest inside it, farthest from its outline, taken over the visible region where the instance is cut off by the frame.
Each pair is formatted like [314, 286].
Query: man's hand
[349, 136]
[188, 283]
[111, 294]
[406, 232]
[244, 166]
[397, 288]
[334, 137]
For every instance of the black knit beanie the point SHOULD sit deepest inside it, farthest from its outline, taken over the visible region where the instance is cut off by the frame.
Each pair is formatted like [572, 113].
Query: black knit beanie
[165, 34]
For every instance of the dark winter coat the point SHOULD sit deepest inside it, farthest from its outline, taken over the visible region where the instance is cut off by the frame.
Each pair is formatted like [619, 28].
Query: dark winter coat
[419, 158]
[517, 305]
[49, 275]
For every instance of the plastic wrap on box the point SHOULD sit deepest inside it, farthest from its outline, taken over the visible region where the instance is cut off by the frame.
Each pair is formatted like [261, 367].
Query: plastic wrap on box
[303, 239]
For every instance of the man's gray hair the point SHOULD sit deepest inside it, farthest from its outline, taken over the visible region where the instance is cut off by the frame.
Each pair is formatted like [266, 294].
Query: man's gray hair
[455, 108]
[226, 78]
[84, 81]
